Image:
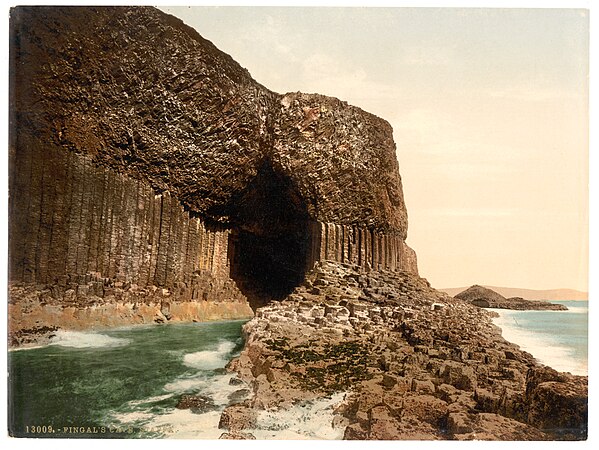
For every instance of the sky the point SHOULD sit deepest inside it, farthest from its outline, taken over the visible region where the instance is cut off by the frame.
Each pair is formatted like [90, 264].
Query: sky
[489, 109]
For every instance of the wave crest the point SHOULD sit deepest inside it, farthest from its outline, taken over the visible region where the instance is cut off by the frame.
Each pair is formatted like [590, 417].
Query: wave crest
[210, 359]
[79, 339]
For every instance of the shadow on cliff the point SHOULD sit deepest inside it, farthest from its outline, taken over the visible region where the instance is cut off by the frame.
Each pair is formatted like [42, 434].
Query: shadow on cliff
[270, 240]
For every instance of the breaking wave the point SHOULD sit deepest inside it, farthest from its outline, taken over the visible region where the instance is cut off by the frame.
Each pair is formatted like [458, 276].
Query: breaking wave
[309, 420]
[560, 354]
[210, 359]
[79, 339]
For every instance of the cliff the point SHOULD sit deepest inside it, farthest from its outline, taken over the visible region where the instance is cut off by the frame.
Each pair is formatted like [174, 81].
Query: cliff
[152, 180]
[148, 168]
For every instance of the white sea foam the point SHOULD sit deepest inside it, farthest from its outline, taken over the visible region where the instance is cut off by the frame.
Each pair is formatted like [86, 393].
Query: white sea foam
[185, 384]
[210, 359]
[576, 310]
[219, 389]
[183, 424]
[79, 339]
[217, 386]
[154, 399]
[548, 353]
[311, 420]
[133, 417]
[174, 423]
[26, 347]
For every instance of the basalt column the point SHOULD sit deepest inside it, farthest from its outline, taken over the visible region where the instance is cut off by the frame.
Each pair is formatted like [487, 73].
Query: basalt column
[148, 168]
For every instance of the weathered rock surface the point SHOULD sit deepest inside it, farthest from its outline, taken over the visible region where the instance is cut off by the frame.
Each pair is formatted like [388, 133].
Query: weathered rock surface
[237, 435]
[144, 160]
[556, 400]
[487, 298]
[414, 363]
[152, 179]
[145, 94]
[198, 404]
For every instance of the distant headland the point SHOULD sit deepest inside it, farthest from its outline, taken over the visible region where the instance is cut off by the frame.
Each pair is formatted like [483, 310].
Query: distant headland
[529, 294]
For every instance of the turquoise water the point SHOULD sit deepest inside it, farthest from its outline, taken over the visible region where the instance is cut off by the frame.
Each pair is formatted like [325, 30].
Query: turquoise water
[126, 383]
[123, 382]
[558, 339]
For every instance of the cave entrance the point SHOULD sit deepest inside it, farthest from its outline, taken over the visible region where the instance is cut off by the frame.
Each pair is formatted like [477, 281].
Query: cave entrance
[270, 239]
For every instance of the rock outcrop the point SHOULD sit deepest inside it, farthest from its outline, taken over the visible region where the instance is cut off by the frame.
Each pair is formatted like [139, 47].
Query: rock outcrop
[487, 298]
[152, 180]
[414, 364]
[149, 170]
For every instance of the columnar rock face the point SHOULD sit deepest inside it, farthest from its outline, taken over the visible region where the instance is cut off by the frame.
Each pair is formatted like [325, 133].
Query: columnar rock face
[86, 219]
[412, 363]
[152, 179]
[361, 247]
[94, 239]
[144, 160]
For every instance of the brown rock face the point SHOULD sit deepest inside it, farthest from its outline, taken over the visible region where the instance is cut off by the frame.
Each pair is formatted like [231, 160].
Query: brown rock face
[557, 401]
[196, 403]
[412, 362]
[145, 160]
[145, 94]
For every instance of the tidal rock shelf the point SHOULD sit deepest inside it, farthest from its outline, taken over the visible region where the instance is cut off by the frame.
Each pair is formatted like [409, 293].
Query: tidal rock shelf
[414, 362]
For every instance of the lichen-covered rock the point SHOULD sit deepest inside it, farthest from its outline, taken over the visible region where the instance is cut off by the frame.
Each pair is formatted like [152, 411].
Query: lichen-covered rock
[408, 371]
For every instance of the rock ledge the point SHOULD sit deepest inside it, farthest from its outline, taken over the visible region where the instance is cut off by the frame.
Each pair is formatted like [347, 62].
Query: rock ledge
[413, 362]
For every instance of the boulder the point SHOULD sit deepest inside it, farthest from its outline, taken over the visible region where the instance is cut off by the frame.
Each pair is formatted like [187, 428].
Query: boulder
[557, 402]
[198, 404]
[238, 417]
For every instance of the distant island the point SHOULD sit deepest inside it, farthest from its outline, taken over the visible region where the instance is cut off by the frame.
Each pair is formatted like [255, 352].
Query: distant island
[487, 298]
[530, 294]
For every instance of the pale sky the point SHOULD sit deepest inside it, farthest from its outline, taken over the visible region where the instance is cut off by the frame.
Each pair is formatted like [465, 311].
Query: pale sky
[490, 115]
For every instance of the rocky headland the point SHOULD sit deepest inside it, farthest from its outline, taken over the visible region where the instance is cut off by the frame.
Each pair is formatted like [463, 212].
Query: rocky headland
[153, 180]
[414, 364]
[487, 298]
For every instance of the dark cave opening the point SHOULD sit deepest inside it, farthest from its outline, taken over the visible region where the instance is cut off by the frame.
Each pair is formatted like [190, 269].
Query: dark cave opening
[270, 240]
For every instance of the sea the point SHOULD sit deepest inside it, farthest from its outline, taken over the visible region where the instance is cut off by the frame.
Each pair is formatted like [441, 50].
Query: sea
[126, 383]
[558, 339]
